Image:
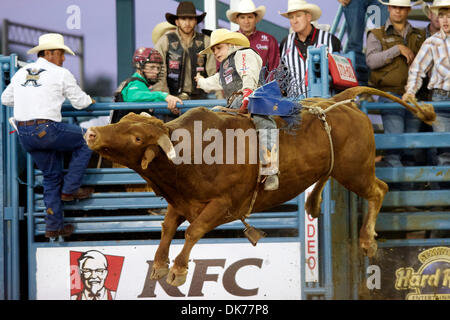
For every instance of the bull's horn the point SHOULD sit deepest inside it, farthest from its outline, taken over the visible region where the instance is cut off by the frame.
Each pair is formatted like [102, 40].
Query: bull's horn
[165, 143]
[145, 114]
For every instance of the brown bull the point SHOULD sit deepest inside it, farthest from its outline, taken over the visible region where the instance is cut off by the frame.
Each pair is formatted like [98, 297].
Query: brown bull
[208, 195]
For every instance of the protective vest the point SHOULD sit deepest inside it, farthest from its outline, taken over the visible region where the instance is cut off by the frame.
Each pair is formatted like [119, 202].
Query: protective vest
[394, 76]
[175, 62]
[230, 80]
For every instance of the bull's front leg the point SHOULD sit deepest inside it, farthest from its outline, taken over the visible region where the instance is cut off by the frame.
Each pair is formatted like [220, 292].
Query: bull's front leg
[213, 215]
[161, 262]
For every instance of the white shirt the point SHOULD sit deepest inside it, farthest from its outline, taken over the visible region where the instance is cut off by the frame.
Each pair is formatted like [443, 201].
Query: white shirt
[38, 90]
[434, 54]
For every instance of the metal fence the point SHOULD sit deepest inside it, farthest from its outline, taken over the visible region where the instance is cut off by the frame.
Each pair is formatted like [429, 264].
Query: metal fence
[119, 217]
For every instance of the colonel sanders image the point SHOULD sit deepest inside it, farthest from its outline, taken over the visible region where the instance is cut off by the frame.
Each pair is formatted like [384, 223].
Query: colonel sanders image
[93, 268]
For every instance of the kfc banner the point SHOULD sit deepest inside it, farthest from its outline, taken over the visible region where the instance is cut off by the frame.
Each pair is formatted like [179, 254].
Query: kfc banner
[216, 271]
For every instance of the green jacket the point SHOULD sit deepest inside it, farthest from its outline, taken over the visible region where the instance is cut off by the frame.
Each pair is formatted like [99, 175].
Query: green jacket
[138, 91]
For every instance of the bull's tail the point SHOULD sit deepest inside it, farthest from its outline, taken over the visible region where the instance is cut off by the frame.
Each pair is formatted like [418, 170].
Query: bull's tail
[424, 112]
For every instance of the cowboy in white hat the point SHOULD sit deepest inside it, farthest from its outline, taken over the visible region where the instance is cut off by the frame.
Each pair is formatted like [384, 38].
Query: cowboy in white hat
[435, 55]
[294, 47]
[247, 15]
[390, 50]
[179, 49]
[51, 41]
[238, 76]
[37, 92]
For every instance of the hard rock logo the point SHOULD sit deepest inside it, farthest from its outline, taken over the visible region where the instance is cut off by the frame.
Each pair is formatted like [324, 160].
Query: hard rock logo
[432, 279]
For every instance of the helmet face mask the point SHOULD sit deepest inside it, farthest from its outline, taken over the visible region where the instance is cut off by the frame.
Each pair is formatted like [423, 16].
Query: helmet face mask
[148, 58]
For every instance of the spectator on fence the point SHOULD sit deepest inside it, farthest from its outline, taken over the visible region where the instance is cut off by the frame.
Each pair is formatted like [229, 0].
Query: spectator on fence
[293, 48]
[247, 16]
[435, 54]
[139, 87]
[390, 51]
[355, 15]
[238, 77]
[180, 51]
[37, 92]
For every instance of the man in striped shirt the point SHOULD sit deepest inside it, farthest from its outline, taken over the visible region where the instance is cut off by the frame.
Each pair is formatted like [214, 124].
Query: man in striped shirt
[435, 55]
[293, 48]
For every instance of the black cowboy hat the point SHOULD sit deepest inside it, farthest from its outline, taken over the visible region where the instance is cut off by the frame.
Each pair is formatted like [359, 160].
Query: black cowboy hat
[185, 9]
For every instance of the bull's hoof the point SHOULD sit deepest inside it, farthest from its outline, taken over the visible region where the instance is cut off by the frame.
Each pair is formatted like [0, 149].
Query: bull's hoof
[175, 278]
[369, 248]
[159, 273]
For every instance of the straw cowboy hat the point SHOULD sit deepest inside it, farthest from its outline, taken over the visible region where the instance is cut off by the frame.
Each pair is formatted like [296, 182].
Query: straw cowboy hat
[51, 41]
[400, 3]
[160, 29]
[185, 9]
[302, 5]
[226, 36]
[246, 6]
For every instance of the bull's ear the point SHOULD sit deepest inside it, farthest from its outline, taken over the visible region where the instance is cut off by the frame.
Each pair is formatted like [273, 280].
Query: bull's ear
[149, 154]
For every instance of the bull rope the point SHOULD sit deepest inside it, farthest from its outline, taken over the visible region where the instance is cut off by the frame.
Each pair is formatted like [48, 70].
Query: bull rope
[321, 113]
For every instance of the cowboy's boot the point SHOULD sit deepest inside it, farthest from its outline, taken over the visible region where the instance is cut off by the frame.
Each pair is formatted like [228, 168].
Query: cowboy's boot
[270, 169]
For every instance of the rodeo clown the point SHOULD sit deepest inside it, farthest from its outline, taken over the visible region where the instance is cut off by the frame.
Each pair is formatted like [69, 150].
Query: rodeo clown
[238, 76]
[138, 88]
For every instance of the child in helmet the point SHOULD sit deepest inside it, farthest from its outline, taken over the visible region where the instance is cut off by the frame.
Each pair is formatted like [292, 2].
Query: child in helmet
[239, 71]
[138, 88]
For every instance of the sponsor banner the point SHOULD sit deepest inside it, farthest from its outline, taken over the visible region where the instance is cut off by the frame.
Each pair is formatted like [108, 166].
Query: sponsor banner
[311, 244]
[411, 273]
[216, 271]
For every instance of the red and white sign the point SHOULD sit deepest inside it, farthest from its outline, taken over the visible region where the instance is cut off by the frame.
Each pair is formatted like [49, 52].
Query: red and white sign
[311, 245]
[216, 271]
[342, 72]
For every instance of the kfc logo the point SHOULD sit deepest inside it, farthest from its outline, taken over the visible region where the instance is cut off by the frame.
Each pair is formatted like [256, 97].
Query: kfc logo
[93, 275]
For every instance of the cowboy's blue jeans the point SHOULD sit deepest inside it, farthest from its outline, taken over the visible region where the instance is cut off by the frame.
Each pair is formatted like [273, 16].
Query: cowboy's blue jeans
[46, 144]
[355, 13]
[441, 124]
[398, 121]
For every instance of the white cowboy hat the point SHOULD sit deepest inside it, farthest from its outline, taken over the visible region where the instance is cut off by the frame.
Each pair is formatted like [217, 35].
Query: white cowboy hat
[226, 36]
[246, 6]
[437, 4]
[160, 29]
[400, 3]
[50, 41]
[302, 5]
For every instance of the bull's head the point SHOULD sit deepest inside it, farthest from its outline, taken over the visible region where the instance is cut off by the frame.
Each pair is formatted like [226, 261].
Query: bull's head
[133, 141]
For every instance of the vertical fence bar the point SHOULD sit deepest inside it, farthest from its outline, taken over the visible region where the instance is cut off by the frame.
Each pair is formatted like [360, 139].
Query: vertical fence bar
[301, 234]
[30, 228]
[354, 243]
[4, 66]
[327, 243]
[337, 20]
[14, 196]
